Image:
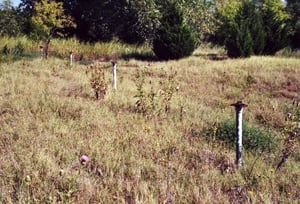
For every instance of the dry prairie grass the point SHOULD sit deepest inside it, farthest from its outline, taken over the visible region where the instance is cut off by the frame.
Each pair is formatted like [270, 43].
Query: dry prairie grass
[49, 118]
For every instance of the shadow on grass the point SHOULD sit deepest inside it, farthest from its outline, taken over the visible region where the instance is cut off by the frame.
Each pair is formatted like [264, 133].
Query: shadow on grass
[212, 56]
[149, 56]
[28, 55]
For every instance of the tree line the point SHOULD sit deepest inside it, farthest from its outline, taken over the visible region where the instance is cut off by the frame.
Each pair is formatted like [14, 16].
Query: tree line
[174, 27]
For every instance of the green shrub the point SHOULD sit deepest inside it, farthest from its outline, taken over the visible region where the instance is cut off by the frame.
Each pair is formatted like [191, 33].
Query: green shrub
[174, 39]
[239, 44]
[245, 34]
[254, 138]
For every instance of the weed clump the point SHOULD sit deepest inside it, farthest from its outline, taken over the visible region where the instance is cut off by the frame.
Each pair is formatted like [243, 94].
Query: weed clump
[97, 80]
[152, 102]
[291, 132]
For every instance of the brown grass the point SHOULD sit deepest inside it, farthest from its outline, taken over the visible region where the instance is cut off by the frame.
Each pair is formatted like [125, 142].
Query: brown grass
[49, 118]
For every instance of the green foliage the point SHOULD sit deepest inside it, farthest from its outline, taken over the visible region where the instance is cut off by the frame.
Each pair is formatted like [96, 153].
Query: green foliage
[239, 42]
[130, 21]
[254, 138]
[48, 17]
[226, 12]
[253, 27]
[245, 34]
[296, 36]
[9, 20]
[276, 26]
[97, 81]
[147, 102]
[139, 22]
[200, 14]
[134, 21]
[174, 39]
[293, 8]
[95, 19]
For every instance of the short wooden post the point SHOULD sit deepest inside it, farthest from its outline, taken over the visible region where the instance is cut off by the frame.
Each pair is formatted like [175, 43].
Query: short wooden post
[239, 132]
[114, 63]
[71, 58]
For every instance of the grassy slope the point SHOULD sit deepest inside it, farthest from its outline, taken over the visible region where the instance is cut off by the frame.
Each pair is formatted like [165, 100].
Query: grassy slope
[49, 118]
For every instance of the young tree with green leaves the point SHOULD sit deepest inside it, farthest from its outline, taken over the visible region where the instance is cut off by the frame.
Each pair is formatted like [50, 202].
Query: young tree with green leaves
[49, 19]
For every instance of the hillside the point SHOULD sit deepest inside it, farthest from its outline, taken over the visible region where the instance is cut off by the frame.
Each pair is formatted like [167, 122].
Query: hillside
[49, 118]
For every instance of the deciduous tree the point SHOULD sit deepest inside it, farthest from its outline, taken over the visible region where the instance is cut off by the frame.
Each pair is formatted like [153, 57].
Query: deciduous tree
[201, 15]
[49, 18]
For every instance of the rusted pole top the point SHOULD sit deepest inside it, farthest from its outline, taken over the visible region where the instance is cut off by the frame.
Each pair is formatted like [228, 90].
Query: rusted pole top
[71, 57]
[239, 105]
[114, 62]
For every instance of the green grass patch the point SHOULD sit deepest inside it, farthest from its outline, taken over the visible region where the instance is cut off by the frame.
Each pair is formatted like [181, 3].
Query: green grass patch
[254, 138]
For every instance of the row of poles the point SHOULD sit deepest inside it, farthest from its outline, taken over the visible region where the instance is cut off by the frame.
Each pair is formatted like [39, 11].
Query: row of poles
[239, 107]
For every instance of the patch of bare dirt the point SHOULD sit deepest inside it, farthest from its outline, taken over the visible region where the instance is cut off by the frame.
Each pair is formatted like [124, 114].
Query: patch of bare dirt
[289, 89]
[73, 90]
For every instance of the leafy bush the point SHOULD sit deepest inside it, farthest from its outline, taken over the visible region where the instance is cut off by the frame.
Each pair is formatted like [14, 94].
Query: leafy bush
[174, 39]
[254, 138]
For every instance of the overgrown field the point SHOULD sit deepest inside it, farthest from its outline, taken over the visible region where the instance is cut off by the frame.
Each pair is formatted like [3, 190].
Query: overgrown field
[165, 135]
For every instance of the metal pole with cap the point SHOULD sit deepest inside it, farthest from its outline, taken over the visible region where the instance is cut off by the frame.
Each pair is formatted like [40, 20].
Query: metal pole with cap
[239, 132]
[71, 58]
[114, 63]
[42, 52]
